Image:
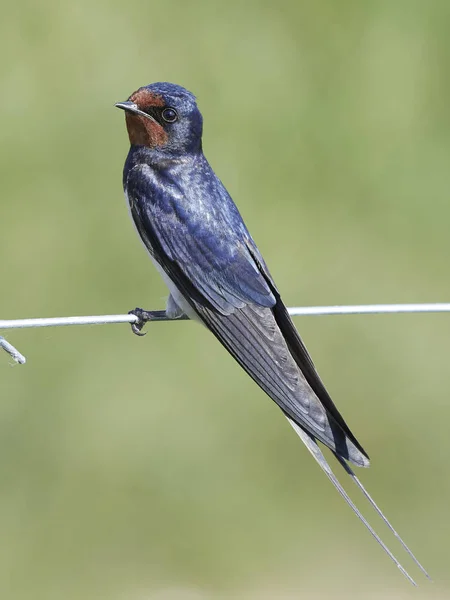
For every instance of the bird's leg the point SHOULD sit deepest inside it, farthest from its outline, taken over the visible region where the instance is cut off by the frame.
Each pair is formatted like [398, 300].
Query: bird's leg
[172, 313]
[144, 316]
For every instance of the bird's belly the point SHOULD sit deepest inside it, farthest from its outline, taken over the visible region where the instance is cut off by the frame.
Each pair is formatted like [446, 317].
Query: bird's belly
[175, 292]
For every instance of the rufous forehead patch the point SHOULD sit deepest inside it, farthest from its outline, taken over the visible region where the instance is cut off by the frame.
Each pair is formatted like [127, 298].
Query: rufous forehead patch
[143, 98]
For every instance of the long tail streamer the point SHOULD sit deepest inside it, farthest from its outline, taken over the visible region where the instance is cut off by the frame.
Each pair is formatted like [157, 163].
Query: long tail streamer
[314, 449]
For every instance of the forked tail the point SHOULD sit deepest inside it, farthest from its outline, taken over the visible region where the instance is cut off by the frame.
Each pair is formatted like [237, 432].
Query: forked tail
[314, 449]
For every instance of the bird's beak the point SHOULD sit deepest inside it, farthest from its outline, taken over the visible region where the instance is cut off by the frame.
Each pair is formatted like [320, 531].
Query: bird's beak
[131, 107]
[128, 106]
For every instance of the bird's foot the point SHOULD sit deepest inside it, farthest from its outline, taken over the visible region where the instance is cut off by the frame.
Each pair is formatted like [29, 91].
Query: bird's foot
[143, 317]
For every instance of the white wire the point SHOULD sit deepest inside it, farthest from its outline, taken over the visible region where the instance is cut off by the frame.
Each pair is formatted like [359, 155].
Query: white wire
[62, 321]
[365, 309]
[13, 352]
[362, 309]
[295, 311]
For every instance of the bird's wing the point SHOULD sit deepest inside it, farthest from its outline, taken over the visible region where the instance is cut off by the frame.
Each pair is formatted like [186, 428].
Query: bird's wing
[253, 337]
[212, 266]
[298, 349]
[208, 251]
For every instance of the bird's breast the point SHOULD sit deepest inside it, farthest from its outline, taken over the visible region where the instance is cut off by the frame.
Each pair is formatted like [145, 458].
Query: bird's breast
[174, 291]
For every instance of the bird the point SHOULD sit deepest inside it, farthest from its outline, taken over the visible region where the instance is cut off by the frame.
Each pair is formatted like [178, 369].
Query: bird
[199, 243]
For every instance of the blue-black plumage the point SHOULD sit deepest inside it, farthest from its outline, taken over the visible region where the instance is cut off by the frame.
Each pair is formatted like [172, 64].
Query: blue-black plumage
[216, 274]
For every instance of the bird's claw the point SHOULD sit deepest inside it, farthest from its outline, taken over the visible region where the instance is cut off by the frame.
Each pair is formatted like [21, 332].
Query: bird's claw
[142, 316]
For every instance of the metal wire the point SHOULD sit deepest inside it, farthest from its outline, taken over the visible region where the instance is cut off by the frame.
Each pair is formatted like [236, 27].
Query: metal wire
[13, 352]
[362, 309]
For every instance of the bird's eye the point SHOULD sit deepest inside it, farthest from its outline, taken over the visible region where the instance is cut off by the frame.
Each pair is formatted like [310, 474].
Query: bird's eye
[169, 115]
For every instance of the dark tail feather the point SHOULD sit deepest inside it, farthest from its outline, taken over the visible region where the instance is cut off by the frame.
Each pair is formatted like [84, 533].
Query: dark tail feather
[314, 449]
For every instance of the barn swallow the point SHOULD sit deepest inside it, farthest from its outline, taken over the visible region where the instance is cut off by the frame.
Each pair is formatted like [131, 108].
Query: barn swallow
[215, 273]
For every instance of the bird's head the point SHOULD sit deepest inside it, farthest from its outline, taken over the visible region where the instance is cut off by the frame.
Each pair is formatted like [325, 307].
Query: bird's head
[163, 116]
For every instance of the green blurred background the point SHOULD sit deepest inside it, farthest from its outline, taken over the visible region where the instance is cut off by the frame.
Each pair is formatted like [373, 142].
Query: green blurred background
[154, 468]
